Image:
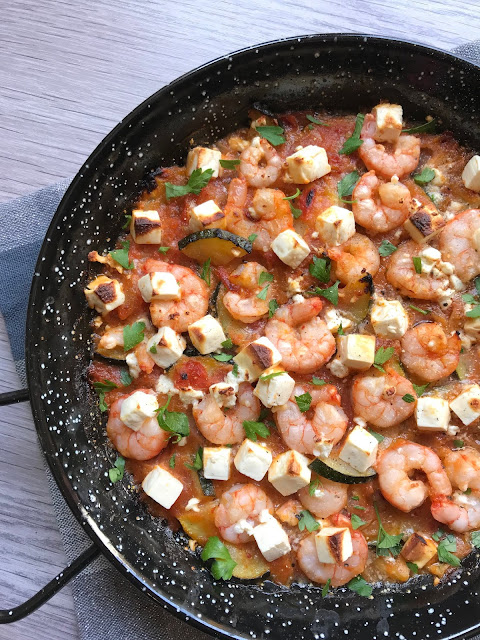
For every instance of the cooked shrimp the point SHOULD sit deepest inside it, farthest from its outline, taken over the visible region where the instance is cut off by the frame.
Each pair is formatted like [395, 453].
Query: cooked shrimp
[402, 275]
[461, 512]
[245, 305]
[302, 338]
[380, 207]
[143, 444]
[394, 466]
[289, 512]
[239, 511]
[193, 303]
[323, 430]
[329, 498]
[268, 216]
[463, 468]
[337, 573]
[260, 164]
[226, 428]
[429, 353]
[397, 159]
[378, 399]
[459, 244]
[355, 258]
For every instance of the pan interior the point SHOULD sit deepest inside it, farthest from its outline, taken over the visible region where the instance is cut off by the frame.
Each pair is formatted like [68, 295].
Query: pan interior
[340, 73]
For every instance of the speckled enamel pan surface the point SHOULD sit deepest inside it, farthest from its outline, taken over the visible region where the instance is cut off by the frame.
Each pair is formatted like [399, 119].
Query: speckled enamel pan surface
[339, 72]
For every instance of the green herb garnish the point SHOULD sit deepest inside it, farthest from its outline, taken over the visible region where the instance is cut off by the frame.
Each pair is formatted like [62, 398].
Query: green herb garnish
[386, 248]
[173, 422]
[133, 335]
[425, 176]
[205, 273]
[272, 307]
[417, 263]
[346, 186]
[320, 269]
[360, 586]
[118, 470]
[254, 429]
[304, 401]
[354, 142]
[408, 398]
[229, 164]
[307, 521]
[121, 255]
[223, 563]
[382, 355]
[196, 182]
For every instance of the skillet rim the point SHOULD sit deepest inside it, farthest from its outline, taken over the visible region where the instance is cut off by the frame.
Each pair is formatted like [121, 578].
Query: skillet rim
[61, 478]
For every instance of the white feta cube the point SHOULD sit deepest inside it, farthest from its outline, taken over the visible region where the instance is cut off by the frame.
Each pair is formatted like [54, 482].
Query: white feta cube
[104, 294]
[308, 164]
[335, 225]
[162, 487]
[389, 121]
[471, 174]
[333, 544]
[216, 463]
[257, 356]
[334, 319]
[206, 334]
[360, 449]
[432, 414]
[204, 158]
[337, 368]
[133, 365]
[138, 407]
[159, 285]
[224, 394]
[356, 351]
[276, 390]
[290, 247]
[166, 347]
[252, 460]
[206, 215]
[145, 227]
[289, 472]
[271, 539]
[467, 404]
[389, 319]
[190, 395]
[419, 549]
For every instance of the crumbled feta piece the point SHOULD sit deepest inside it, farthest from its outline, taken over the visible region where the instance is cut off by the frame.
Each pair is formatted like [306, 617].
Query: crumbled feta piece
[136, 408]
[322, 449]
[360, 449]
[424, 222]
[190, 395]
[252, 460]
[159, 285]
[206, 215]
[456, 283]
[162, 487]
[216, 463]
[133, 365]
[333, 544]
[472, 328]
[257, 356]
[360, 422]
[439, 179]
[294, 285]
[166, 347]
[419, 549]
[467, 404]
[389, 120]
[206, 334]
[471, 174]
[271, 539]
[165, 386]
[308, 164]
[104, 294]
[334, 319]
[335, 225]
[243, 526]
[289, 472]
[432, 414]
[274, 391]
[145, 227]
[224, 394]
[290, 247]
[192, 505]
[446, 267]
[337, 368]
[356, 351]
[204, 158]
[389, 319]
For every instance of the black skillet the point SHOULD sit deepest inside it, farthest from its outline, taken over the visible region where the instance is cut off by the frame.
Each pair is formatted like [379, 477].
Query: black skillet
[337, 72]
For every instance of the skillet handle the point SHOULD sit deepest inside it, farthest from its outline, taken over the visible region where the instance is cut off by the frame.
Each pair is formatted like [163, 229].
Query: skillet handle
[73, 569]
[50, 589]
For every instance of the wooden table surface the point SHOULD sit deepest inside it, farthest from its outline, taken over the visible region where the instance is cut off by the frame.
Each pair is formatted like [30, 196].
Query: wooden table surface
[69, 71]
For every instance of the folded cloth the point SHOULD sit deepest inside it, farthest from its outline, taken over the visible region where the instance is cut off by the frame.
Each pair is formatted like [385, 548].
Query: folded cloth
[107, 605]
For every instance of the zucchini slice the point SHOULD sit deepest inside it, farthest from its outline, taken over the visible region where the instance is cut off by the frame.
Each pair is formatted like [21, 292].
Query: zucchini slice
[220, 246]
[338, 471]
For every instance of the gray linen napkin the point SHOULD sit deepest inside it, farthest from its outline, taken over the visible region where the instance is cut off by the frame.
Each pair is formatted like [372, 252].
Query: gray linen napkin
[107, 605]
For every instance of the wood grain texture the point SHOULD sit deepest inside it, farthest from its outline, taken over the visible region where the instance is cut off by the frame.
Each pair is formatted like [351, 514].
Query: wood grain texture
[69, 71]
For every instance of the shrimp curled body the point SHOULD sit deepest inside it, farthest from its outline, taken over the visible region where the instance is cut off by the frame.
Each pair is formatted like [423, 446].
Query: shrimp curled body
[245, 305]
[429, 353]
[241, 504]
[226, 428]
[458, 243]
[380, 207]
[260, 164]
[355, 258]
[393, 467]
[328, 498]
[402, 275]
[461, 512]
[143, 444]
